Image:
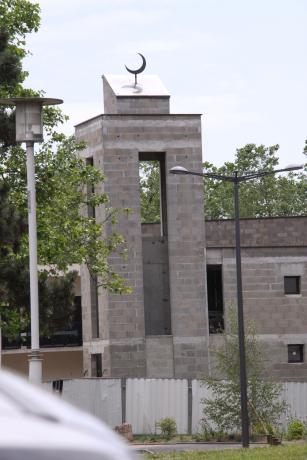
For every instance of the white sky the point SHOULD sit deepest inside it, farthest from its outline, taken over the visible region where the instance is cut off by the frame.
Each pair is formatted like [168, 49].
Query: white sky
[241, 63]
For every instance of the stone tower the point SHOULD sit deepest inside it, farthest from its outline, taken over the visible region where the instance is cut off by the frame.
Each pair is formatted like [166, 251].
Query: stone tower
[161, 329]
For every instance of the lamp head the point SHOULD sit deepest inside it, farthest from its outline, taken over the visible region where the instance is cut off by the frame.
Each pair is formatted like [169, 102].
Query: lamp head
[293, 167]
[179, 170]
[29, 123]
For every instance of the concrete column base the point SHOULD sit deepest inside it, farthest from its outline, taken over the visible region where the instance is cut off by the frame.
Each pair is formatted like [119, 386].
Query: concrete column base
[35, 367]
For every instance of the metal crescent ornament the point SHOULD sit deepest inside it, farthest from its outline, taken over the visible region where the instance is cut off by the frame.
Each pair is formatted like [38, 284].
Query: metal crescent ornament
[137, 71]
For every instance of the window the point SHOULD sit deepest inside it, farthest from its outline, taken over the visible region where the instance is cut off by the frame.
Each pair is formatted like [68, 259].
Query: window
[90, 192]
[94, 306]
[152, 173]
[292, 284]
[296, 353]
[153, 189]
[96, 365]
[215, 298]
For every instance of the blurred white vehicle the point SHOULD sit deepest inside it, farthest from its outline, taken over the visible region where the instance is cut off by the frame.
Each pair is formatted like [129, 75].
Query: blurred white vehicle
[36, 425]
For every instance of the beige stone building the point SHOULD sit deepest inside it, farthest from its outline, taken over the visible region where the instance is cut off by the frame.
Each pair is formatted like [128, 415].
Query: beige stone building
[182, 270]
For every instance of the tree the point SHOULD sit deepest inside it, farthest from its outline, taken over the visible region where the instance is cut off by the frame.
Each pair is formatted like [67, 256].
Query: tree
[271, 196]
[66, 234]
[223, 410]
[66, 187]
[150, 191]
[17, 18]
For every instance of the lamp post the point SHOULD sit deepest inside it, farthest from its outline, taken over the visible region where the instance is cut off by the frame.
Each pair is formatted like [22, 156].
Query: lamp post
[236, 179]
[29, 129]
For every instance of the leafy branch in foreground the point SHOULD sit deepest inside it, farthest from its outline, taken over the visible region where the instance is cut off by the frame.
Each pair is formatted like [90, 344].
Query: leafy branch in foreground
[66, 188]
[66, 232]
[223, 409]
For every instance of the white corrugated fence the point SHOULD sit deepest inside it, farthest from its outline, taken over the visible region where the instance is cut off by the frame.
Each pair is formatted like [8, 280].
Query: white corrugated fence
[143, 402]
[150, 400]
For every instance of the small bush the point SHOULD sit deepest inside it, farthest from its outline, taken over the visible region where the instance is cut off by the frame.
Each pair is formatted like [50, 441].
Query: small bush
[168, 427]
[206, 433]
[296, 430]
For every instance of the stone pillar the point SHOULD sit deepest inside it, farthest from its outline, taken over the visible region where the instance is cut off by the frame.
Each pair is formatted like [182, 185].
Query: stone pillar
[137, 121]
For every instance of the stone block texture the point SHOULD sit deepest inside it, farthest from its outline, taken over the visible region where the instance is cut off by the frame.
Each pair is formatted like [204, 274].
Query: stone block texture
[176, 259]
[115, 141]
[271, 249]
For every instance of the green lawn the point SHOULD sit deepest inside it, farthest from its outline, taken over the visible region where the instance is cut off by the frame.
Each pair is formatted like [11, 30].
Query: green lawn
[293, 452]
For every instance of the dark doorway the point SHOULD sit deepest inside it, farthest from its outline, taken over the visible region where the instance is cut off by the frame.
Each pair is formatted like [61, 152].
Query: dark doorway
[215, 299]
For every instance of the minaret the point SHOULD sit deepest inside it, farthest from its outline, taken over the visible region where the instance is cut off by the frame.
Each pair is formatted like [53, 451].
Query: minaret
[161, 329]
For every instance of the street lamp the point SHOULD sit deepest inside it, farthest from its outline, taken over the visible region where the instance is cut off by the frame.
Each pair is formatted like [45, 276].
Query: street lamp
[236, 179]
[29, 129]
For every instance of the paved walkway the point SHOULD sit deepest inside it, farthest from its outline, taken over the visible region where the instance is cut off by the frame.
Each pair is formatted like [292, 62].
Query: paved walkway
[196, 446]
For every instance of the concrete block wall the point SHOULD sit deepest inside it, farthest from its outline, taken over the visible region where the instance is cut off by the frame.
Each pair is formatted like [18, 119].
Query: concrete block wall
[124, 136]
[91, 132]
[263, 232]
[139, 104]
[134, 125]
[271, 249]
[267, 256]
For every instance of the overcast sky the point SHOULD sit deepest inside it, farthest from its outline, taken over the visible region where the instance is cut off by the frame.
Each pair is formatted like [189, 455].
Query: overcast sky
[241, 63]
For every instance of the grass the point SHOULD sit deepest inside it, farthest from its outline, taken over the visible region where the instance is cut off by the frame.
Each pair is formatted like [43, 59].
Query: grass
[285, 452]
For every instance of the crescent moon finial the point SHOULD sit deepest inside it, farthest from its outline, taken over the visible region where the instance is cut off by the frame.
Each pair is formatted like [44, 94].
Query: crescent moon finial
[139, 70]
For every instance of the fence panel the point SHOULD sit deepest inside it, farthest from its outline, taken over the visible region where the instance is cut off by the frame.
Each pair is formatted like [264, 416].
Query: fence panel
[99, 397]
[295, 393]
[150, 400]
[198, 392]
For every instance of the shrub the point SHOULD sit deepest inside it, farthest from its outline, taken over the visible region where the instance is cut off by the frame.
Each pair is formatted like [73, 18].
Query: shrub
[168, 427]
[223, 408]
[296, 430]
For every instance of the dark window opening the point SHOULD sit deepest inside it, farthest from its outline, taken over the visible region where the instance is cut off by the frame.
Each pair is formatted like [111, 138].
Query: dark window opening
[153, 189]
[215, 298]
[94, 306]
[90, 191]
[157, 308]
[91, 212]
[156, 290]
[57, 386]
[292, 284]
[68, 333]
[296, 353]
[96, 359]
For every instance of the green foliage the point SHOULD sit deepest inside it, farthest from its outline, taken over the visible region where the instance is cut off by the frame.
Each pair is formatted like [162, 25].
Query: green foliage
[13, 321]
[150, 191]
[207, 433]
[12, 225]
[168, 427]
[18, 18]
[66, 189]
[296, 430]
[10, 63]
[270, 196]
[66, 233]
[223, 409]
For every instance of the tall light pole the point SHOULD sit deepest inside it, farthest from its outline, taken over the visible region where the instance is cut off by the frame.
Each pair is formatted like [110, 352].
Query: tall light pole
[29, 129]
[236, 179]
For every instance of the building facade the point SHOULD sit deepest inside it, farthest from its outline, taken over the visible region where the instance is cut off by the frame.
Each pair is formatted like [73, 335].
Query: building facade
[182, 270]
[274, 276]
[161, 328]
